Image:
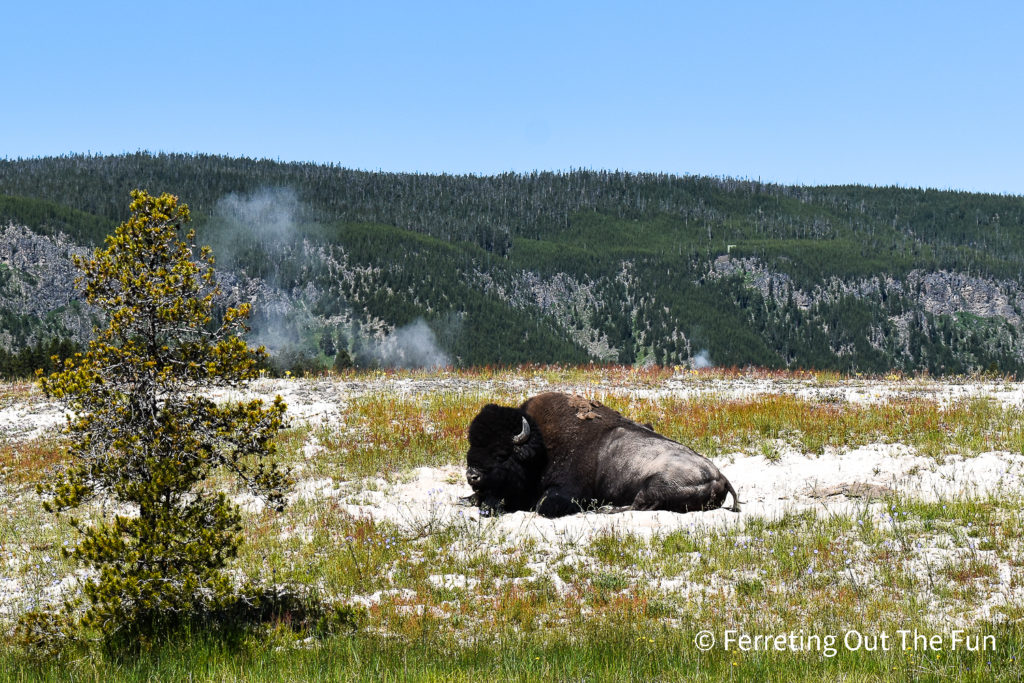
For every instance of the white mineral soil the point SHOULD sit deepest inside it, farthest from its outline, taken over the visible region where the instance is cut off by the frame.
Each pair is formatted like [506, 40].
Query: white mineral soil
[847, 481]
[837, 480]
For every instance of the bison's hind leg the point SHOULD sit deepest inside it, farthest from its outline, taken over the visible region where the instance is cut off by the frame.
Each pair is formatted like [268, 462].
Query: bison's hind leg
[660, 495]
[645, 501]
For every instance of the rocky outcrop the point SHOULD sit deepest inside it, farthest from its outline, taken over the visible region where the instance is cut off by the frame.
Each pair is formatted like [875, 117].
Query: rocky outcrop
[37, 285]
[40, 276]
[949, 293]
[940, 292]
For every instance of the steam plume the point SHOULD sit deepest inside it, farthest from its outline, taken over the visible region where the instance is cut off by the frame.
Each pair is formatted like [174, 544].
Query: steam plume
[269, 215]
[702, 360]
[412, 346]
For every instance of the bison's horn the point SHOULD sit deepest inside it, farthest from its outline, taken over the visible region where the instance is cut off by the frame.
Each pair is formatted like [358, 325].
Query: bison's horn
[523, 435]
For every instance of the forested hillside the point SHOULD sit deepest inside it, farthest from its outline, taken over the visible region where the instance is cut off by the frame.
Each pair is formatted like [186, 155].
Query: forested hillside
[385, 268]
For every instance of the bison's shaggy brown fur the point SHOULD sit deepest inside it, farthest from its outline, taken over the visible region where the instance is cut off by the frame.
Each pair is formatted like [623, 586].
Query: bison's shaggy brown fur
[561, 454]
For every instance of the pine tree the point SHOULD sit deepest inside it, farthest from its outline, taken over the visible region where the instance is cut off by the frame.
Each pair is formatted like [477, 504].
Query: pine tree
[145, 437]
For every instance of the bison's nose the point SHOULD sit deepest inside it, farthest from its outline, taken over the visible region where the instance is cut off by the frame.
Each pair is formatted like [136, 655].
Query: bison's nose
[473, 476]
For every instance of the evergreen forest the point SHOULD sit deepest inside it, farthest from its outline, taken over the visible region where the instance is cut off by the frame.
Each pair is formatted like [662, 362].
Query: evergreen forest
[354, 267]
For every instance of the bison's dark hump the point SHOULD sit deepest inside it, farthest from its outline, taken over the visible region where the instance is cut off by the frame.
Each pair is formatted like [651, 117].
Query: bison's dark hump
[494, 424]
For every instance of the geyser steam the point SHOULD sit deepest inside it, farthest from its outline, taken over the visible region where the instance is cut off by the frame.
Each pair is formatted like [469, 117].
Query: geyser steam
[412, 346]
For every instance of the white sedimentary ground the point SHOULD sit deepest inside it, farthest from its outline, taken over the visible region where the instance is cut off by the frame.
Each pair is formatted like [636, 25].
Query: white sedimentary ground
[835, 480]
[851, 481]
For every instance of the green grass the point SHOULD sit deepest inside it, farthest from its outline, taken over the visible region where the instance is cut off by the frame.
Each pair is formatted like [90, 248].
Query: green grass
[595, 651]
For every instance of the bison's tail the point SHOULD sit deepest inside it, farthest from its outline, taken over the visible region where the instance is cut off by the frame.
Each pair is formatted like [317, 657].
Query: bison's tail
[735, 499]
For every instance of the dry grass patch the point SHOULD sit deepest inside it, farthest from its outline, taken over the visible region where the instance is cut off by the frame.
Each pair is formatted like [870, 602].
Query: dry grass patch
[26, 462]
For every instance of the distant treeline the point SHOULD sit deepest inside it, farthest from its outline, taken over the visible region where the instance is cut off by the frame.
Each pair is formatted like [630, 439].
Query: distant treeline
[897, 228]
[24, 363]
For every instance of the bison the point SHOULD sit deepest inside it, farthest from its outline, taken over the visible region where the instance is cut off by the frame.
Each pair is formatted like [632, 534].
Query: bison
[560, 454]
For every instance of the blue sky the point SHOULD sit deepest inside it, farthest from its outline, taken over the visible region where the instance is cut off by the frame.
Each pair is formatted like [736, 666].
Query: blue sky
[918, 94]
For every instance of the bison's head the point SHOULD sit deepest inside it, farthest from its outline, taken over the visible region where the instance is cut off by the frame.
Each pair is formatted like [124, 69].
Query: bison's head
[505, 461]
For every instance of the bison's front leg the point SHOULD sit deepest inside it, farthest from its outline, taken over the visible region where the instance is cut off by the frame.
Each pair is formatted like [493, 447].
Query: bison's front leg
[557, 503]
[491, 506]
[470, 501]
